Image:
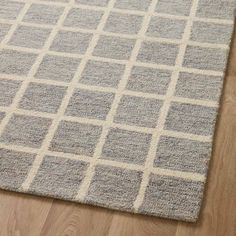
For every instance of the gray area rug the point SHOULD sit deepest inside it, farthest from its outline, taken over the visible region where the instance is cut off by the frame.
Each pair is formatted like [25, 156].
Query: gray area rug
[112, 103]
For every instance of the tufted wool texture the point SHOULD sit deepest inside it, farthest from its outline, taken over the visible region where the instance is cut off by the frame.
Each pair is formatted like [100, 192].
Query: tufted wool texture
[112, 102]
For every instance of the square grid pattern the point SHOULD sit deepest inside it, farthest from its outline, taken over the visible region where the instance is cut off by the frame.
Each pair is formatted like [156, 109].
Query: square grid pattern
[112, 102]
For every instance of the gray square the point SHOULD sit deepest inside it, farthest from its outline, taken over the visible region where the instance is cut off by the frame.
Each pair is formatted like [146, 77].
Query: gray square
[174, 7]
[10, 9]
[14, 62]
[208, 32]
[172, 197]
[183, 155]
[139, 5]
[2, 116]
[166, 28]
[149, 80]
[104, 74]
[205, 58]
[30, 37]
[28, 131]
[43, 14]
[59, 177]
[101, 3]
[158, 53]
[4, 28]
[222, 9]
[42, 97]
[8, 89]
[193, 119]
[14, 168]
[114, 47]
[71, 42]
[90, 104]
[123, 23]
[57, 68]
[138, 111]
[199, 86]
[77, 138]
[126, 146]
[83, 18]
[114, 187]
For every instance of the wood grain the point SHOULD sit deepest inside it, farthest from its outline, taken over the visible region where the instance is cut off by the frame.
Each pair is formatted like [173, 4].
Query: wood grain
[25, 215]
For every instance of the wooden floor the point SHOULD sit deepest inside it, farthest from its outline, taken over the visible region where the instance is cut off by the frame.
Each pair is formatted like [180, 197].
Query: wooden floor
[24, 215]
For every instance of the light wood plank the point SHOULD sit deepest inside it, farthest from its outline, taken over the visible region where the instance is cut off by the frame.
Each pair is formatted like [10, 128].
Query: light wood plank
[219, 209]
[67, 218]
[21, 214]
[124, 224]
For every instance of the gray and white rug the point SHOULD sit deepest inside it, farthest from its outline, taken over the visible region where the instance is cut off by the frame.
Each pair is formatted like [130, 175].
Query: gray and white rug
[112, 103]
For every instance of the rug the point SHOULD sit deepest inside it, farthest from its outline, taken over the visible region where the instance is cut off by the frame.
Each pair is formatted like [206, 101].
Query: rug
[112, 102]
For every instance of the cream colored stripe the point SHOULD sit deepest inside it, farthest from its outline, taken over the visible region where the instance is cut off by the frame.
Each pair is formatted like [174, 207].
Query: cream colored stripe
[125, 62]
[200, 102]
[21, 90]
[195, 137]
[128, 36]
[164, 110]
[43, 150]
[199, 71]
[136, 12]
[113, 125]
[127, 166]
[98, 150]
[19, 111]
[208, 45]
[53, 127]
[85, 184]
[179, 174]
[19, 148]
[71, 87]
[15, 24]
[97, 88]
[207, 103]
[45, 2]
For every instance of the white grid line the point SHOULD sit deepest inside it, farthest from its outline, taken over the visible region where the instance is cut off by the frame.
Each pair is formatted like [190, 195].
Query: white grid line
[164, 111]
[71, 87]
[112, 125]
[14, 77]
[25, 83]
[89, 173]
[41, 53]
[109, 120]
[123, 62]
[15, 24]
[56, 120]
[186, 100]
[122, 35]
[121, 90]
[58, 117]
[134, 12]
[183, 100]
[128, 166]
